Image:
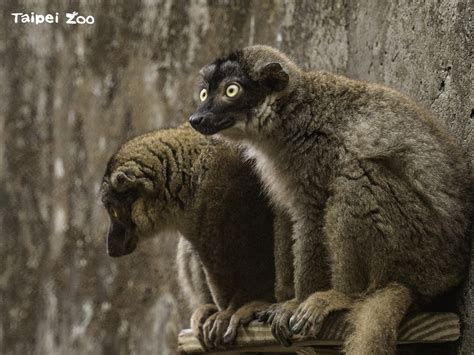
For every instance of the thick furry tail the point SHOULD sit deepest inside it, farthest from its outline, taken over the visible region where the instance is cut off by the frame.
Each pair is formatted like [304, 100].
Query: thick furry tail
[375, 320]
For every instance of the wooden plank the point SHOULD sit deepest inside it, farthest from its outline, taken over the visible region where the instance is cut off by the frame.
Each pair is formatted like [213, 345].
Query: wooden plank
[257, 337]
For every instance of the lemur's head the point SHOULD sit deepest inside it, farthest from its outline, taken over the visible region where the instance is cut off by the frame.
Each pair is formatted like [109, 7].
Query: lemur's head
[233, 88]
[138, 192]
[125, 193]
[118, 199]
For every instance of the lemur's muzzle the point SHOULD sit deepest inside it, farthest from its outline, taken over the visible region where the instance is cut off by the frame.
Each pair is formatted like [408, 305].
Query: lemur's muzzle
[120, 242]
[209, 123]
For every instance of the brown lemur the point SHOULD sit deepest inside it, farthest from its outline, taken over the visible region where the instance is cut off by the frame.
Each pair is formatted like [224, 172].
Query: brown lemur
[376, 188]
[176, 179]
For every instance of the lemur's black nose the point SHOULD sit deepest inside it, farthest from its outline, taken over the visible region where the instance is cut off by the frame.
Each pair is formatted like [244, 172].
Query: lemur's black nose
[206, 123]
[196, 120]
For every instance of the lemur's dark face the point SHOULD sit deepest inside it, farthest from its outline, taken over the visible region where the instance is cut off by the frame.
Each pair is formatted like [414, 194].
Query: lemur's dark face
[122, 238]
[228, 93]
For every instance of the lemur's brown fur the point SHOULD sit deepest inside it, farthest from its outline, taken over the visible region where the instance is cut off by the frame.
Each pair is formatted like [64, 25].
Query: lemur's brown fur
[191, 275]
[176, 179]
[376, 187]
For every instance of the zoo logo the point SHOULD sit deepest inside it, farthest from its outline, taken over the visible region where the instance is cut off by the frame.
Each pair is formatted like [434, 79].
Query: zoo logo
[74, 19]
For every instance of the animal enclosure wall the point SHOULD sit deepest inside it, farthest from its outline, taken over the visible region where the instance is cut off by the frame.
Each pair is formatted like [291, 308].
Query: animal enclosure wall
[71, 94]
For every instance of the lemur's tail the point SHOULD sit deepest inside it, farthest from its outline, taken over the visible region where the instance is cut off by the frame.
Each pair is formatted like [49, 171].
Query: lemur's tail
[375, 320]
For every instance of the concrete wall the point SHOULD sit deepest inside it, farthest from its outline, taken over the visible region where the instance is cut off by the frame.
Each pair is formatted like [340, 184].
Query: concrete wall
[71, 94]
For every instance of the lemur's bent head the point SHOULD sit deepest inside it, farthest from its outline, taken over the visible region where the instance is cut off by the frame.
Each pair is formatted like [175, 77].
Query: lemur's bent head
[140, 191]
[122, 238]
[233, 87]
[124, 192]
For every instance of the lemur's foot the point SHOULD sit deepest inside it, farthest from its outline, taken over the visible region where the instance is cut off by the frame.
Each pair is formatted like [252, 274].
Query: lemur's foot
[310, 315]
[199, 317]
[243, 316]
[214, 328]
[278, 316]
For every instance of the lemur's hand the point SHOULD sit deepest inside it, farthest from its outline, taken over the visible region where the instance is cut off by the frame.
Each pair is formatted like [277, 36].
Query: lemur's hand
[199, 317]
[308, 319]
[214, 328]
[278, 316]
[243, 316]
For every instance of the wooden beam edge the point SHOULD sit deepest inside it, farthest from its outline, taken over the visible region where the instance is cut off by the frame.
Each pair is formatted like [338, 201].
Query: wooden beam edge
[416, 328]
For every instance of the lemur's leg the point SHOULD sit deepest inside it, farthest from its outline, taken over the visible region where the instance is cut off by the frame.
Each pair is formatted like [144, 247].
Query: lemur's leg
[351, 238]
[311, 273]
[376, 319]
[283, 252]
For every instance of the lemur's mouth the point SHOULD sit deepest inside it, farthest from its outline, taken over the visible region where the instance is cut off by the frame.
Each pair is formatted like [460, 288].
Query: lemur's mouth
[208, 124]
[117, 247]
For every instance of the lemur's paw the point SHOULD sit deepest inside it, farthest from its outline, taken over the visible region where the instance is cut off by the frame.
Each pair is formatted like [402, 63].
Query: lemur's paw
[278, 316]
[310, 315]
[199, 317]
[243, 316]
[215, 327]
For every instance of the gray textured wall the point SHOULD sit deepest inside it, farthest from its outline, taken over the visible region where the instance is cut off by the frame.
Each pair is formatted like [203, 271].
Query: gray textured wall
[69, 95]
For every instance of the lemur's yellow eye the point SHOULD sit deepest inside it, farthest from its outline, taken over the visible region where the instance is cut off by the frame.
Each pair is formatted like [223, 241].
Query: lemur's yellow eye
[114, 213]
[203, 95]
[232, 90]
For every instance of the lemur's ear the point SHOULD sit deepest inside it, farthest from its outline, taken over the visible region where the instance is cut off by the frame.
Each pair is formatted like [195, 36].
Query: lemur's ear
[123, 180]
[274, 76]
